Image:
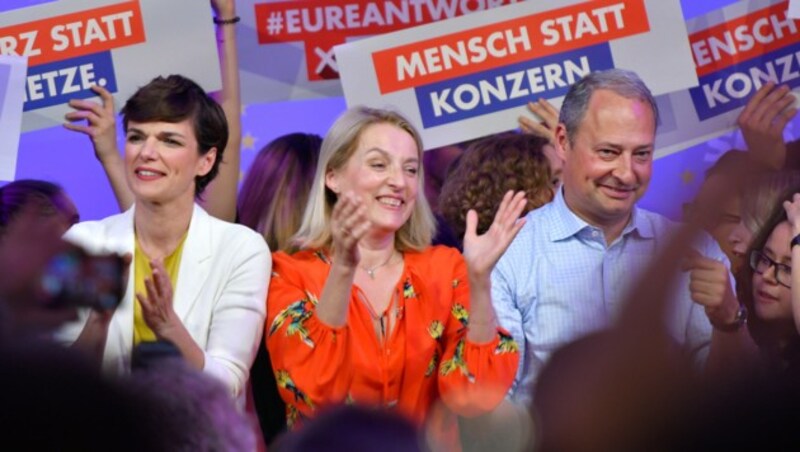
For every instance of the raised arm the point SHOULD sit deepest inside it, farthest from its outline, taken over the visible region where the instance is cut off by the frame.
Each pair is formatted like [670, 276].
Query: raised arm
[762, 122]
[481, 253]
[793, 215]
[478, 366]
[227, 348]
[101, 128]
[710, 286]
[348, 225]
[306, 331]
[220, 198]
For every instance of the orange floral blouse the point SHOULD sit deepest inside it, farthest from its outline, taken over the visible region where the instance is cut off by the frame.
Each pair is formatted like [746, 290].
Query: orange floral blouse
[426, 357]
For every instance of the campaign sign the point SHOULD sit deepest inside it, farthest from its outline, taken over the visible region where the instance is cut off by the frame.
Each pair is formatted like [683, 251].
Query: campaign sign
[472, 76]
[736, 50]
[286, 46]
[120, 45]
[12, 82]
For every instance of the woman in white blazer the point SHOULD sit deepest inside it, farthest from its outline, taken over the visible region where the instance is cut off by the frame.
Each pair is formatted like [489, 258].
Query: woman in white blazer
[195, 281]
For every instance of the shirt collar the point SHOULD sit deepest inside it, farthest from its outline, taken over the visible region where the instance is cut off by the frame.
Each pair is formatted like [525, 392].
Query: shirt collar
[568, 223]
[639, 224]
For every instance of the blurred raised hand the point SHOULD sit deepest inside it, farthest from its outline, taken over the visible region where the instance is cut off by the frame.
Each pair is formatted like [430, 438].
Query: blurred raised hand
[762, 122]
[27, 245]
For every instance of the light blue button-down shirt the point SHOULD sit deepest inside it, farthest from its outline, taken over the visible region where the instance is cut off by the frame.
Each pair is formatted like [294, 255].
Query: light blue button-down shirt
[558, 281]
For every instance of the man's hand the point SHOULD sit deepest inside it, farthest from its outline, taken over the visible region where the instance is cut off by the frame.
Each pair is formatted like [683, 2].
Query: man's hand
[710, 286]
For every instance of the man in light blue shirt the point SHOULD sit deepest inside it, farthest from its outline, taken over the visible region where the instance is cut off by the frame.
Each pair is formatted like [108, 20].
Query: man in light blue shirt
[573, 264]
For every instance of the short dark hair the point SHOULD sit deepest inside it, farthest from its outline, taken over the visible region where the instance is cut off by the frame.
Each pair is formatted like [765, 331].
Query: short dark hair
[175, 99]
[619, 81]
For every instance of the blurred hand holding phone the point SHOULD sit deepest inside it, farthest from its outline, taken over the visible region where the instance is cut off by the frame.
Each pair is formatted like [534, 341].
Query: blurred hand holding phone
[75, 278]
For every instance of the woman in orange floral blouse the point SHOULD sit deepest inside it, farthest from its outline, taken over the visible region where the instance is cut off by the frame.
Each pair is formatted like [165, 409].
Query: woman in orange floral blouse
[367, 311]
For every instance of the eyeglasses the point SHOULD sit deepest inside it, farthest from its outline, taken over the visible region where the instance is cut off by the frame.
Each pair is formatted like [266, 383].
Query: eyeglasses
[760, 263]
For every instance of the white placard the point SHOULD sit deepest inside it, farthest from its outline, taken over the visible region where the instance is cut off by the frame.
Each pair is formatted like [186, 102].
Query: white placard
[286, 46]
[12, 82]
[472, 76]
[118, 44]
[794, 9]
[736, 49]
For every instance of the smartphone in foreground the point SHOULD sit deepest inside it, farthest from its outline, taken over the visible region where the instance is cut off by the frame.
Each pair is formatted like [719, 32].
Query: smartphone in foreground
[75, 278]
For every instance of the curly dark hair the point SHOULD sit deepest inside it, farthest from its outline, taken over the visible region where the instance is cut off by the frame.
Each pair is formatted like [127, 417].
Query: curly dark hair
[488, 169]
[174, 99]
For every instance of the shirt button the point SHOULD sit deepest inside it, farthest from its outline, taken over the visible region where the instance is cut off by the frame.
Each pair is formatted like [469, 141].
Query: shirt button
[595, 233]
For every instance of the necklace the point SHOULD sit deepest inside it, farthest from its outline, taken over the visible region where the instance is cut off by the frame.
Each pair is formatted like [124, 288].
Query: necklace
[371, 271]
[383, 319]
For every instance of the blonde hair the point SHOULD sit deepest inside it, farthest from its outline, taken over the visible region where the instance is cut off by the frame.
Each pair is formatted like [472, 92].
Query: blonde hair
[762, 194]
[338, 147]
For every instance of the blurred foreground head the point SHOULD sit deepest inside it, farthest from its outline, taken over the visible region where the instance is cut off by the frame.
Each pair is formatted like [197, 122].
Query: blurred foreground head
[33, 217]
[48, 199]
[352, 428]
[53, 399]
[195, 411]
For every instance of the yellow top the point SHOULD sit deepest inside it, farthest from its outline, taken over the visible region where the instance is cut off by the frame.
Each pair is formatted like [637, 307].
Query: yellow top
[142, 271]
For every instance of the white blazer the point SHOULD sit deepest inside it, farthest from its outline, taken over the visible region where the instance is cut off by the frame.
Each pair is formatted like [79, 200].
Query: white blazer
[220, 295]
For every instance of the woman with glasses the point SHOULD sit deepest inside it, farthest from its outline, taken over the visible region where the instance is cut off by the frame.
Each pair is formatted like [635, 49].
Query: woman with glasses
[765, 287]
[760, 194]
